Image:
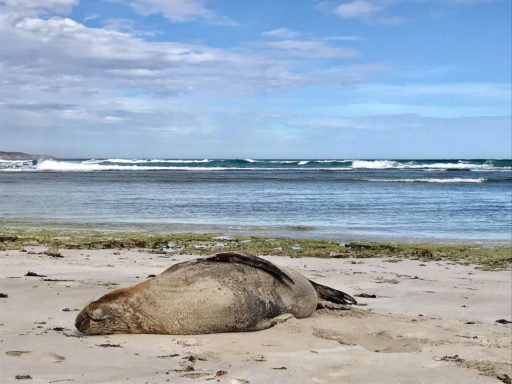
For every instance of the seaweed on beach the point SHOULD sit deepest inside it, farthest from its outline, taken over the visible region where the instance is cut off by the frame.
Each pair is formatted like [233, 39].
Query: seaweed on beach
[486, 257]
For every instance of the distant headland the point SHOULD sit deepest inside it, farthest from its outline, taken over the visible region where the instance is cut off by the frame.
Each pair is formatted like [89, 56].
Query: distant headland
[23, 156]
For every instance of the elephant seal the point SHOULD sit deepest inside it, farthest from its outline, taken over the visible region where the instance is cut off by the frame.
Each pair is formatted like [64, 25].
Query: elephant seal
[227, 292]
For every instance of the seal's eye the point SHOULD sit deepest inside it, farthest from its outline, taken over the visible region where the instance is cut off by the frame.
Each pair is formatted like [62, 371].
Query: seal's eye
[96, 315]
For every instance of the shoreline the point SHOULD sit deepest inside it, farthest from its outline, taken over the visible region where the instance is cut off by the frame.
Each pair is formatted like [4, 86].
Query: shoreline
[487, 256]
[305, 232]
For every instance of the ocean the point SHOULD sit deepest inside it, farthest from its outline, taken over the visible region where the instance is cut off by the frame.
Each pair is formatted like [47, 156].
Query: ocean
[408, 200]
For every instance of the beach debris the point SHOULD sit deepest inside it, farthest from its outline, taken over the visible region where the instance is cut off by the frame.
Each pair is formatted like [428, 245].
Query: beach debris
[260, 358]
[454, 358]
[23, 377]
[109, 345]
[4, 238]
[188, 368]
[195, 375]
[209, 245]
[296, 247]
[171, 247]
[108, 284]
[504, 378]
[58, 329]
[239, 381]
[247, 241]
[225, 238]
[503, 321]
[334, 255]
[221, 373]
[382, 280]
[168, 356]
[53, 252]
[367, 295]
[70, 310]
[3, 295]
[467, 337]
[150, 276]
[278, 368]
[64, 280]
[16, 353]
[33, 274]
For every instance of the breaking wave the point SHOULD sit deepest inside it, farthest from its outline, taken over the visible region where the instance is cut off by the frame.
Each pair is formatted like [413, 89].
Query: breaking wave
[119, 164]
[430, 180]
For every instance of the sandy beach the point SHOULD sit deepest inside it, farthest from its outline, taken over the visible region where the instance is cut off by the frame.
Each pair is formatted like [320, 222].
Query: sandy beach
[430, 322]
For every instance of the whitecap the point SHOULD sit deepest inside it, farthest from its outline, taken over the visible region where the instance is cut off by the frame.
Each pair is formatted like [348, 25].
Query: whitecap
[430, 180]
[375, 164]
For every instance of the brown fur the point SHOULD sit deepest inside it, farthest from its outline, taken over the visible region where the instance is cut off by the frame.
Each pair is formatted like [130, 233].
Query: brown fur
[227, 293]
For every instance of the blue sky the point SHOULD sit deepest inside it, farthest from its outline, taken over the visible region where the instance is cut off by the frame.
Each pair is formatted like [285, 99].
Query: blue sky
[259, 79]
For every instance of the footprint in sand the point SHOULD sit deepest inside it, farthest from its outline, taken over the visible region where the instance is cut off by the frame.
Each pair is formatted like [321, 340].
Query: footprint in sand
[376, 342]
[48, 356]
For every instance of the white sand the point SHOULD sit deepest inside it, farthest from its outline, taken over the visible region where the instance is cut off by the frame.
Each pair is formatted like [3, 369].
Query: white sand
[386, 341]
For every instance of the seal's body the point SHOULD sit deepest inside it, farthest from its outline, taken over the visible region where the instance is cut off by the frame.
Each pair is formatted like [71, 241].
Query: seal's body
[225, 293]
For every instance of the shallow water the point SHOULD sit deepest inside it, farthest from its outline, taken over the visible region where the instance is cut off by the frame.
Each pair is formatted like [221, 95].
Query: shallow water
[435, 200]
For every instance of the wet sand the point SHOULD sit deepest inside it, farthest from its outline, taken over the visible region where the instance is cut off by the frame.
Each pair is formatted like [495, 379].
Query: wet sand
[430, 322]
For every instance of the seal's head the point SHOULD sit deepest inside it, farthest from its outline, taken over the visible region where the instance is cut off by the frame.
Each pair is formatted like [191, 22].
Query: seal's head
[104, 316]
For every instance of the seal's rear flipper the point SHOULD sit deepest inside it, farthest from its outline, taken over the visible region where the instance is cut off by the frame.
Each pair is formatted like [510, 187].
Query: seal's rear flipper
[332, 295]
[253, 261]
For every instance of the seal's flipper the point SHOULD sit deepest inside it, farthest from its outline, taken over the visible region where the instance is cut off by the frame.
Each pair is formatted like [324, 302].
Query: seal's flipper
[253, 261]
[332, 295]
[268, 323]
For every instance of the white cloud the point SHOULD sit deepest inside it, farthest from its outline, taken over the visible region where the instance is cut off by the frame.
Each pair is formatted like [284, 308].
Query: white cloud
[312, 49]
[386, 12]
[56, 70]
[127, 26]
[357, 9]
[180, 11]
[282, 33]
[38, 6]
[112, 119]
[345, 38]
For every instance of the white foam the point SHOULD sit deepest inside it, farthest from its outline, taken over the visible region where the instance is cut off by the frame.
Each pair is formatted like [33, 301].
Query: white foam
[54, 165]
[181, 161]
[388, 164]
[375, 164]
[459, 165]
[15, 161]
[430, 180]
[143, 161]
[303, 162]
[15, 165]
[283, 161]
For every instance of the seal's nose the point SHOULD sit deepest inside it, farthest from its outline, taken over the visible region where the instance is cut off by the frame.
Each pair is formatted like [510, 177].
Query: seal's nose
[82, 321]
